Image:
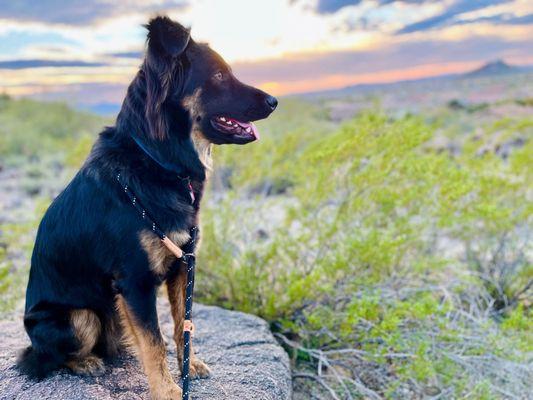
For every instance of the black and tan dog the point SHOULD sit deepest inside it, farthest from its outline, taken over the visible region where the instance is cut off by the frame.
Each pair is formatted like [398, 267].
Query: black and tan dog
[96, 266]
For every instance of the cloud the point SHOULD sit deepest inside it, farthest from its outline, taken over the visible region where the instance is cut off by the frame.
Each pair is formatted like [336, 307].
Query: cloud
[12, 42]
[457, 8]
[25, 64]
[81, 12]
[295, 47]
[500, 19]
[128, 54]
[383, 2]
[332, 6]
[398, 55]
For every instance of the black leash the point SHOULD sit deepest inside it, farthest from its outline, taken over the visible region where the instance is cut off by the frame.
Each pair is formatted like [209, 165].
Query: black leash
[188, 327]
[190, 259]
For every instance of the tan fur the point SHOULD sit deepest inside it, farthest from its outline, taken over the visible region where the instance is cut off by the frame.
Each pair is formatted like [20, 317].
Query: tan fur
[113, 336]
[151, 353]
[203, 147]
[193, 104]
[129, 336]
[89, 365]
[176, 295]
[159, 256]
[87, 328]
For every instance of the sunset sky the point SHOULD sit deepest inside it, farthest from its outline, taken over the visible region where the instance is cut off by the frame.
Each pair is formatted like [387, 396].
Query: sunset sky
[87, 51]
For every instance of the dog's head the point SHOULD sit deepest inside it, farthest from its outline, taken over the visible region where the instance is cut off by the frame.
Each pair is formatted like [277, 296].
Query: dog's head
[183, 76]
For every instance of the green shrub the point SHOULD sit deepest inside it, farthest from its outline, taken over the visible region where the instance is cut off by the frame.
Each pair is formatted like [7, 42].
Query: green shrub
[358, 254]
[388, 267]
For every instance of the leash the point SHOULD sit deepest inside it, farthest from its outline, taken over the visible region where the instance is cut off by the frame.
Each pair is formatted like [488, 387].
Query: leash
[188, 327]
[190, 259]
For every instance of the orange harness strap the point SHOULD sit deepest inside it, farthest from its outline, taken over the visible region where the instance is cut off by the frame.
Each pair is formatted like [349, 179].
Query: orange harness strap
[188, 326]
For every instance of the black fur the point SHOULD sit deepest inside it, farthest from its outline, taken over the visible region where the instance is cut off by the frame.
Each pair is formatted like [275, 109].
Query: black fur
[87, 247]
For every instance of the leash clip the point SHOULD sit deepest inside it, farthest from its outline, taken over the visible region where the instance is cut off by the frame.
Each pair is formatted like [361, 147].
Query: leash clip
[187, 256]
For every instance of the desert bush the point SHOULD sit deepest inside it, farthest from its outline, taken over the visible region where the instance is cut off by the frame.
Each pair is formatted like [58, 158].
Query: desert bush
[368, 262]
[36, 139]
[386, 268]
[15, 249]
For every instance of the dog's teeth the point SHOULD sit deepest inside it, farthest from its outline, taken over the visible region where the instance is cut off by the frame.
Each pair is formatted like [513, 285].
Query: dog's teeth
[223, 119]
[228, 122]
[248, 129]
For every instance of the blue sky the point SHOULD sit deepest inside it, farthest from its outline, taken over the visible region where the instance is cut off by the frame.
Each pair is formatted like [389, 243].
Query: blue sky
[88, 50]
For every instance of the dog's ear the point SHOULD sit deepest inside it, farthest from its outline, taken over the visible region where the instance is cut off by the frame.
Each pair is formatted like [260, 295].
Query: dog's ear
[167, 37]
[167, 41]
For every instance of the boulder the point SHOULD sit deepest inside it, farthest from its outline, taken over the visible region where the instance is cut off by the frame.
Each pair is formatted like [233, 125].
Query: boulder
[245, 360]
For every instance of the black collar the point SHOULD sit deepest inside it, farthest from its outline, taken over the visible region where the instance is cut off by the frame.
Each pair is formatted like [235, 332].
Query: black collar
[168, 167]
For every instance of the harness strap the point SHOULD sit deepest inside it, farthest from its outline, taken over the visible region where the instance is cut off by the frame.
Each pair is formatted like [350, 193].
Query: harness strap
[173, 247]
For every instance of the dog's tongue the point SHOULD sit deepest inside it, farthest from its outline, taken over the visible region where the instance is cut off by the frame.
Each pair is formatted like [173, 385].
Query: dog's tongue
[254, 131]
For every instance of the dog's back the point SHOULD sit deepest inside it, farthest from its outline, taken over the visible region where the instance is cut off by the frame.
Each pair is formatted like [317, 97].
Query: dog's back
[68, 273]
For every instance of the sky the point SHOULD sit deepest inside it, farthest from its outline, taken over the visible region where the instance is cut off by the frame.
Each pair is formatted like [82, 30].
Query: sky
[87, 51]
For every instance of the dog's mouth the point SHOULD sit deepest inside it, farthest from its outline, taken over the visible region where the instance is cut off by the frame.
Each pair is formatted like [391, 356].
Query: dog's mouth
[236, 128]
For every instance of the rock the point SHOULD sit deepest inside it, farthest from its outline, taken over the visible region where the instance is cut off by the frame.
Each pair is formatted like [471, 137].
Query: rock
[245, 360]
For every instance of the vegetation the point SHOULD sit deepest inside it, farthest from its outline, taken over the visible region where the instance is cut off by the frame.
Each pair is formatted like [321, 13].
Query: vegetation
[392, 269]
[36, 141]
[388, 266]
[30, 128]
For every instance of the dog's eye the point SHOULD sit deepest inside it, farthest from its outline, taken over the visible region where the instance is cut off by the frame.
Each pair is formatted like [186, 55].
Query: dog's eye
[218, 76]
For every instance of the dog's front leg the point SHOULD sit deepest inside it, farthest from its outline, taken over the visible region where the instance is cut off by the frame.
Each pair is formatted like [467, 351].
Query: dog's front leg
[138, 314]
[176, 286]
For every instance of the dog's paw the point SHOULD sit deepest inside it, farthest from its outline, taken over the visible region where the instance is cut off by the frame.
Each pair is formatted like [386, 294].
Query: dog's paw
[87, 366]
[198, 369]
[167, 392]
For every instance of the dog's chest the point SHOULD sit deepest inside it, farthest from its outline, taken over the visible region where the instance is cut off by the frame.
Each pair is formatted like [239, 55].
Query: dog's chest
[176, 227]
[160, 257]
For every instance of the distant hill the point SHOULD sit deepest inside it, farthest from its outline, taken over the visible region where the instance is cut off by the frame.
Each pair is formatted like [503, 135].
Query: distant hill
[493, 68]
[104, 109]
[31, 128]
[497, 67]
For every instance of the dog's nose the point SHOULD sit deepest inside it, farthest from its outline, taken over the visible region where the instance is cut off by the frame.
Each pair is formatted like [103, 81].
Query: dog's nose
[272, 102]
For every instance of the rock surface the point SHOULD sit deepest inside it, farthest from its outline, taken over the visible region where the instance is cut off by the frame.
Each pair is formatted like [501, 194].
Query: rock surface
[245, 360]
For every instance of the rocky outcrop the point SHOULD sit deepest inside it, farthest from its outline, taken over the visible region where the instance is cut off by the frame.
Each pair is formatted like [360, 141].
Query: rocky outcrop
[245, 360]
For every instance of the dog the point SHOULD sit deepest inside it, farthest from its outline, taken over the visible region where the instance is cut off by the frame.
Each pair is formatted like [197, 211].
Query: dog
[96, 266]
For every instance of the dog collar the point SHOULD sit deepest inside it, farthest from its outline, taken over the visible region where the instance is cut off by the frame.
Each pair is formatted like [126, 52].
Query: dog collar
[164, 165]
[168, 167]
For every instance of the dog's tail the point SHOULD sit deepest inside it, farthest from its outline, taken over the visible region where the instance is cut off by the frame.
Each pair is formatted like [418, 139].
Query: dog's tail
[38, 365]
